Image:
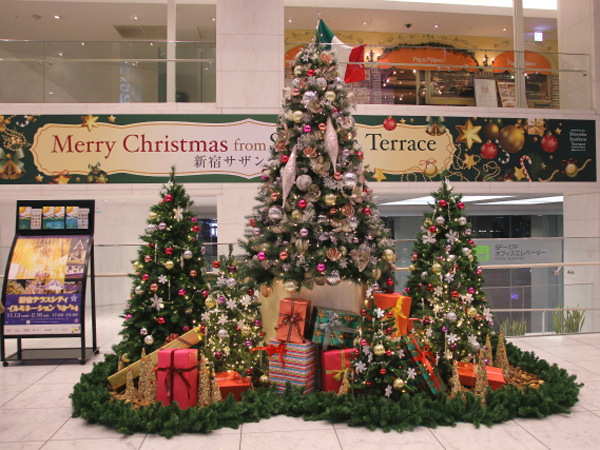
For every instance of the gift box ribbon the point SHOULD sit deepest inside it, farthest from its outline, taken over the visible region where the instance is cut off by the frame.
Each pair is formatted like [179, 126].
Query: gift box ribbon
[291, 320]
[425, 357]
[272, 350]
[332, 326]
[171, 372]
[338, 374]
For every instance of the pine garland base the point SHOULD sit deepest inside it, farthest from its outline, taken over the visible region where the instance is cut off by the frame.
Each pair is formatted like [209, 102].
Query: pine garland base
[559, 392]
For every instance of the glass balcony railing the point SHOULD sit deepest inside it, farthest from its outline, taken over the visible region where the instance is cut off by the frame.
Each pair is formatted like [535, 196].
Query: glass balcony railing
[557, 296]
[418, 75]
[105, 72]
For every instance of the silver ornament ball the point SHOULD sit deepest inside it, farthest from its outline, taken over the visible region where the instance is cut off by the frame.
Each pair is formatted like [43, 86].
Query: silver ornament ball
[275, 213]
[188, 254]
[303, 182]
[440, 221]
[462, 221]
[149, 340]
[350, 180]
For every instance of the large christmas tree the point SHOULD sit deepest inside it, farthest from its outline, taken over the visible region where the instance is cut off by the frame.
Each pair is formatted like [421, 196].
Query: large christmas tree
[316, 221]
[232, 320]
[168, 290]
[445, 281]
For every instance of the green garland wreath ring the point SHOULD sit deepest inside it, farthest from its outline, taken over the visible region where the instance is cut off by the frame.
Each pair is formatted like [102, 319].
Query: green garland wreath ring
[92, 402]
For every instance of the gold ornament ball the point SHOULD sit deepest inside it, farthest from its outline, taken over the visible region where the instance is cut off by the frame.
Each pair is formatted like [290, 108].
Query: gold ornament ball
[412, 268]
[125, 358]
[471, 258]
[398, 383]
[298, 116]
[246, 330]
[193, 273]
[297, 215]
[376, 273]
[379, 349]
[571, 170]
[153, 216]
[490, 131]
[436, 268]
[343, 250]
[264, 380]
[283, 255]
[431, 170]
[210, 302]
[388, 254]
[169, 265]
[472, 312]
[512, 138]
[136, 266]
[329, 96]
[266, 290]
[330, 199]
[290, 286]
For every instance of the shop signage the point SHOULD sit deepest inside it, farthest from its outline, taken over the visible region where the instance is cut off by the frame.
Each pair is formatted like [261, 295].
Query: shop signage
[518, 251]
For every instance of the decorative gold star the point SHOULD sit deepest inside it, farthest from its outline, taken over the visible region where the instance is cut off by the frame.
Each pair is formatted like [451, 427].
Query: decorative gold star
[39, 177]
[112, 118]
[89, 121]
[557, 131]
[402, 121]
[468, 133]
[519, 174]
[378, 175]
[469, 161]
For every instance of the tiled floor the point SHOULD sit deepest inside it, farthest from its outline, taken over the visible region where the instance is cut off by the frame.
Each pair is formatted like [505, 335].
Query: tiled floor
[35, 413]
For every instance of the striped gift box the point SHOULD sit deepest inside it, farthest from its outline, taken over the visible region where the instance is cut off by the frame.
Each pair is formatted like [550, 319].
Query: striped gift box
[298, 366]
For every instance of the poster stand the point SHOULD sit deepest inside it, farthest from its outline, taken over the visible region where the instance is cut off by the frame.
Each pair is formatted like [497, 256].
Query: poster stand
[45, 280]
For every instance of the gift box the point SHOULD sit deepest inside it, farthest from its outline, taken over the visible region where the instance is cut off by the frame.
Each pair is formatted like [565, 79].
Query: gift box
[400, 306]
[333, 327]
[294, 363]
[333, 365]
[292, 321]
[187, 340]
[232, 383]
[177, 377]
[411, 324]
[424, 374]
[467, 373]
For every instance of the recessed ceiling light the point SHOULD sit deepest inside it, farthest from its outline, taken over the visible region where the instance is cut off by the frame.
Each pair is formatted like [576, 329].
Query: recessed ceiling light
[57, 17]
[51, 93]
[60, 54]
[135, 18]
[151, 43]
[290, 20]
[83, 43]
[364, 23]
[504, 29]
[213, 19]
[436, 25]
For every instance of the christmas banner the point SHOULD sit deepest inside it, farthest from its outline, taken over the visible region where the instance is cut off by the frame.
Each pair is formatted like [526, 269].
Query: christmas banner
[44, 285]
[73, 149]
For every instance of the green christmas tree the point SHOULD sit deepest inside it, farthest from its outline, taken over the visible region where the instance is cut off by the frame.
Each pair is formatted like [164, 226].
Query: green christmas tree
[445, 281]
[168, 290]
[380, 367]
[316, 221]
[232, 320]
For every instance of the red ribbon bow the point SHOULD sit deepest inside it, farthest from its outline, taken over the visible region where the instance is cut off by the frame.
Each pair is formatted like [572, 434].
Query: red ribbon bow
[272, 350]
[566, 162]
[425, 357]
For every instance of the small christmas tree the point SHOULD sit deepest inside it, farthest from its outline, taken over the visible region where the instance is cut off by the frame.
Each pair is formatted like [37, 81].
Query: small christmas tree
[232, 321]
[214, 387]
[455, 384]
[379, 367]
[501, 357]
[168, 288]
[130, 390]
[316, 221]
[147, 381]
[445, 281]
[489, 353]
[204, 386]
[481, 383]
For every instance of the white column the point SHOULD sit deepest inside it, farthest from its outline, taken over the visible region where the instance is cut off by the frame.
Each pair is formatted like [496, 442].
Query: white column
[250, 55]
[519, 47]
[234, 204]
[171, 48]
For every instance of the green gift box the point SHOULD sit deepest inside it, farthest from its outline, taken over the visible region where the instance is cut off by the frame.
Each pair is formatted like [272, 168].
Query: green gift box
[334, 327]
[424, 374]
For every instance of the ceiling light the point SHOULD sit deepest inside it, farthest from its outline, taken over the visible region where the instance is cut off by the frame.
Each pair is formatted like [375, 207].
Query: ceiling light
[135, 18]
[436, 25]
[60, 54]
[528, 201]
[213, 19]
[364, 23]
[504, 29]
[57, 17]
[83, 43]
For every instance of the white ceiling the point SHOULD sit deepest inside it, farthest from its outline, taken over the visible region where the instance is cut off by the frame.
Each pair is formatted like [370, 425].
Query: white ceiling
[95, 21]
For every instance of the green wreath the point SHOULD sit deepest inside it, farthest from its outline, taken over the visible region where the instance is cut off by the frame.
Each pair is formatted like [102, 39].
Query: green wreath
[92, 402]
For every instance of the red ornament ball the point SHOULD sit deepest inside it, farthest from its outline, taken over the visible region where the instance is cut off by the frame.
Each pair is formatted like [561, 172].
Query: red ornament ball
[193, 273]
[430, 287]
[455, 294]
[182, 292]
[443, 203]
[145, 277]
[168, 198]
[169, 251]
[356, 351]
[390, 123]
[360, 155]
[363, 312]
[460, 205]
[195, 228]
[205, 293]
[285, 158]
[415, 256]
[367, 211]
[150, 244]
[216, 264]
[489, 150]
[390, 313]
[232, 269]
[382, 371]
[161, 320]
[389, 281]
[471, 243]
[248, 372]
[302, 203]
[367, 383]
[549, 143]
[389, 352]
[250, 291]
[186, 329]
[252, 223]
[432, 229]
[193, 219]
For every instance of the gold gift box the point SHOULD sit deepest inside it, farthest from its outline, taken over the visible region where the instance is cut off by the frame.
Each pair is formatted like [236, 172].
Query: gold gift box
[119, 379]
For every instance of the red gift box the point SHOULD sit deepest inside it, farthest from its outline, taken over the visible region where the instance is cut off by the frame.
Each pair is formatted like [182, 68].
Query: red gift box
[400, 306]
[467, 373]
[177, 377]
[292, 320]
[233, 383]
[333, 365]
